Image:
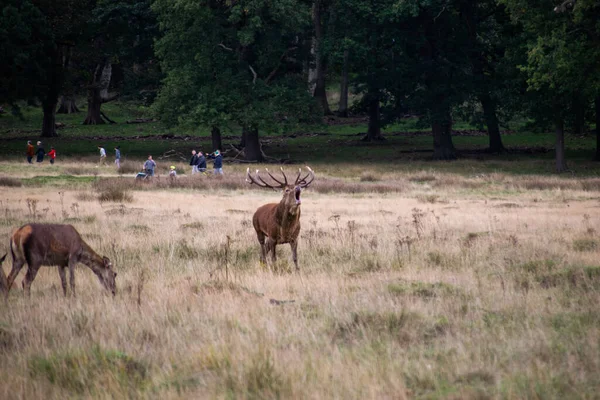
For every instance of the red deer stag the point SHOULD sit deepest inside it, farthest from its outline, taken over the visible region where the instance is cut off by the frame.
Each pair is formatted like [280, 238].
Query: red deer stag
[55, 245]
[279, 223]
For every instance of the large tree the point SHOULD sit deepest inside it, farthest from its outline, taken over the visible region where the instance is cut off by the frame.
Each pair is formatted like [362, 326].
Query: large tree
[26, 45]
[231, 65]
[563, 54]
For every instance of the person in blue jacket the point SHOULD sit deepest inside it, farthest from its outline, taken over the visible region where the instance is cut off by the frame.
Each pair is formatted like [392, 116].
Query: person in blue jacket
[201, 163]
[218, 163]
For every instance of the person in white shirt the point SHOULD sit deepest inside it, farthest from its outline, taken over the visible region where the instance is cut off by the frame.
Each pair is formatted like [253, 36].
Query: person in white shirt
[102, 155]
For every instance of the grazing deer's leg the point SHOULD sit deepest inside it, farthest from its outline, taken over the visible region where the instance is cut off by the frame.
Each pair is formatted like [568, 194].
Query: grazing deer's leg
[63, 278]
[32, 271]
[72, 264]
[294, 246]
[16, 268]
[261, 240]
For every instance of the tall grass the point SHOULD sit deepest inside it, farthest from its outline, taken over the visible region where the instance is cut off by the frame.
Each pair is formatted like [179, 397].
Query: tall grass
[398, 296]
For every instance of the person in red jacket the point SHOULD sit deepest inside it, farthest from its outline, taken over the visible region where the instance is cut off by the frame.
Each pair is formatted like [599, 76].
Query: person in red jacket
[52, 155]
[30, 152]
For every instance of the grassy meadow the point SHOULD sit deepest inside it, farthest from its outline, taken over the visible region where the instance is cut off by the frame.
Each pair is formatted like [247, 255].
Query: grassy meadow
[477, 278]
[414, 283]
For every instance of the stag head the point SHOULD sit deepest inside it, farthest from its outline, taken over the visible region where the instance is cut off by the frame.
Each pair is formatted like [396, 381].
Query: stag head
[291, 191]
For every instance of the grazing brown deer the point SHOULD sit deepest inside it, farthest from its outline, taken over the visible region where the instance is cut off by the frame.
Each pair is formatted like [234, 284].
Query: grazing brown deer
[55, 245]
[2, 276]
[279, 223]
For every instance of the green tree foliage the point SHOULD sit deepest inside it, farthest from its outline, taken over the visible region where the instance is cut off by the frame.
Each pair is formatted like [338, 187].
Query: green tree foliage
[563, 53]
[233, 64]
[26, 46]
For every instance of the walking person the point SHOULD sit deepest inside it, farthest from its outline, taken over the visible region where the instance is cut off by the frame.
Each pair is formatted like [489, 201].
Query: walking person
[218, 163]
[201, 163]
[194, 162]
[40, 152]
[102, 155]
[52, 155]
[30, 152]
[149, 166]
[118, 157]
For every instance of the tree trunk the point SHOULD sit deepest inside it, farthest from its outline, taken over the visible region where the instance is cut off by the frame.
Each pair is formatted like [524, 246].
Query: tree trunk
[67, 105]
[67, 100]
[98, 91]
[441, 127]
[215, 134]
[320, 92]
[374, 130]
[93, 111]
[49, 122]
[491, 121]
[243, 139]
[252, 148]
[343, 106]
[597, 101]
[561, 165]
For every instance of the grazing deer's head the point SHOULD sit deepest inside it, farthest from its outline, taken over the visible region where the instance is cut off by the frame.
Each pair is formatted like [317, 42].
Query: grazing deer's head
[291, 191]
[107, 276]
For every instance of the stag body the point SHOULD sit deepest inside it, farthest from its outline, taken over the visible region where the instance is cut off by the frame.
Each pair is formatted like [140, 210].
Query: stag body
[279, 223]
[55, 245]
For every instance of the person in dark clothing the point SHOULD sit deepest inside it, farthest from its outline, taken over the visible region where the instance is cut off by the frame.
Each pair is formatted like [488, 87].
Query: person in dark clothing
[194, 162]
[40, 152]
[30, 152]
[201, 164]
[218, 163]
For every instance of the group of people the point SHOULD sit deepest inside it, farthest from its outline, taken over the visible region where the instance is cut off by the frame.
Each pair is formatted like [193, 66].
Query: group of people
[198, 162]
[117, 156]
[39, 153]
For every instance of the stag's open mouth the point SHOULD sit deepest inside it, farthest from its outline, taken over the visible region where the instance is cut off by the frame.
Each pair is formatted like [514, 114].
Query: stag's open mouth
[298, 190]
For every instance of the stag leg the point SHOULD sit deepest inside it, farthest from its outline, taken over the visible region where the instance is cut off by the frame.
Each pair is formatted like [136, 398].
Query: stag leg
[16, 268]
[271, 244]
[63, 278]
[32, 271]
[294, 246]
[261, 240]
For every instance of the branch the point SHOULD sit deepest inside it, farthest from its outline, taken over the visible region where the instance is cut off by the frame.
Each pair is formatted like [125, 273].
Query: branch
[106, 118]
[225, 47]
[274, 72]
[440, 13]
[110, 98]
[253, 73]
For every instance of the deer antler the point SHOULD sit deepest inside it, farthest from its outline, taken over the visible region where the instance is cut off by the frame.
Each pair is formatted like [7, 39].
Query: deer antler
[259, 181]
[302, 182]
[277, 180]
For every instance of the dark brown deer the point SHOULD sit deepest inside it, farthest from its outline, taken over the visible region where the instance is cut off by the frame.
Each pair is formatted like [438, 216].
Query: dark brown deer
[55, 245]
[279, 223]
[2, 276]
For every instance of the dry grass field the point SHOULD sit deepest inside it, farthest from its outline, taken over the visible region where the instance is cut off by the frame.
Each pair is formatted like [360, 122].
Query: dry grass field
[412, 285]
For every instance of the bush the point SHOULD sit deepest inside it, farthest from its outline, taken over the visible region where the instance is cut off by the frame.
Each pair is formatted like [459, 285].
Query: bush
[115, 190]
[10, 182]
